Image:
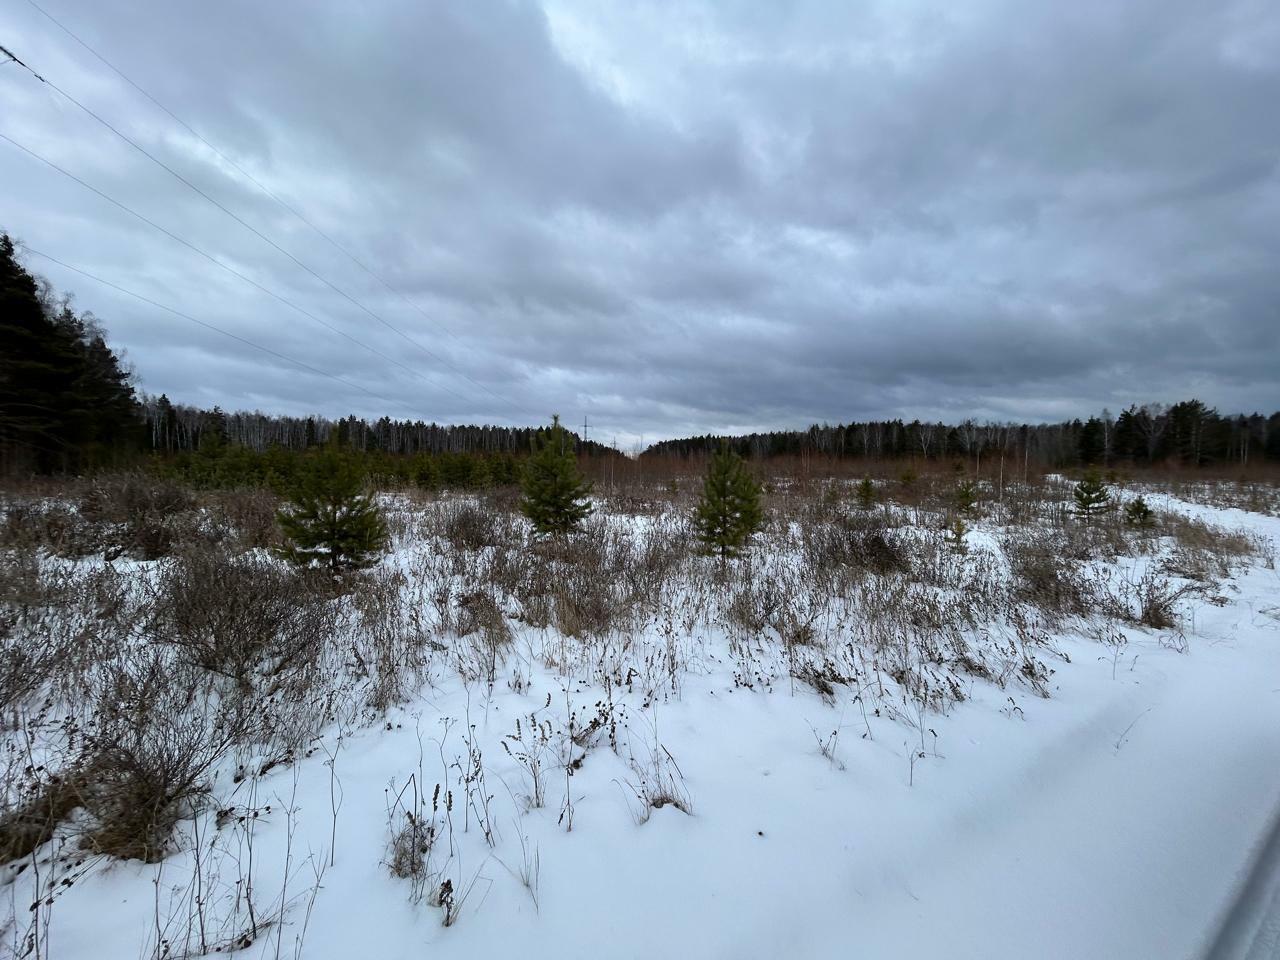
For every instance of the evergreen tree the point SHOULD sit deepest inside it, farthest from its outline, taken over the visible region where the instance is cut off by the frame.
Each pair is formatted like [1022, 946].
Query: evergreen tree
[1092, 441]
[65, 401]
[1091, 496]
[966, 498]
[554, 491]
[866, 494]
[331, 521]
[730, 509]
[1137, 513]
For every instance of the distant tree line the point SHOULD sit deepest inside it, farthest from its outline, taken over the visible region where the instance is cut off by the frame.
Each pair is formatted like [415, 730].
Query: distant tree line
[215, 449]
[67, 405]
[1188, 432]
[177, 428]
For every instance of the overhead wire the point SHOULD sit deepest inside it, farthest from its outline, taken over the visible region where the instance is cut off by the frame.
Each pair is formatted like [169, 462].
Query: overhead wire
[209, 326]
[435, 322]
[238, 168]
[248, 226]
[219, 263]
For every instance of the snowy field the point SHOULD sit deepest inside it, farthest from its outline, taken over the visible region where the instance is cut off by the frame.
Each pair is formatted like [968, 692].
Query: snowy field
[873, 737]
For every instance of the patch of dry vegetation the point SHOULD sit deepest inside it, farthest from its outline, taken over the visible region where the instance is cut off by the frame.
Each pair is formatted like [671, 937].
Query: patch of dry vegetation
[151, 642]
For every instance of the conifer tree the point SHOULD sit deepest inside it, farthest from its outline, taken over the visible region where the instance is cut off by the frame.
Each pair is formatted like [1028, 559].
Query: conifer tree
[331, 521]
[1137, 513]
[66, 402]
[1091, 496]
[730, 508]
[966, 498]
[866, 494]
[554, 491]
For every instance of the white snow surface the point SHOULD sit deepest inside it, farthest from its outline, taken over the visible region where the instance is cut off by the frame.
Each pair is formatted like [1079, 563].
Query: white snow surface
[1119, 818]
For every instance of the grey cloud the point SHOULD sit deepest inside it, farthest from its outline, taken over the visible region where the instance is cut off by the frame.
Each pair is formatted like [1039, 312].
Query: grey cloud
[676, 217]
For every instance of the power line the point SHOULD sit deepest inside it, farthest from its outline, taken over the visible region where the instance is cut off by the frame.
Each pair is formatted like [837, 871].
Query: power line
[209, 326]
[238, 168]
[214, 260]
[248, 226]
[13, 58]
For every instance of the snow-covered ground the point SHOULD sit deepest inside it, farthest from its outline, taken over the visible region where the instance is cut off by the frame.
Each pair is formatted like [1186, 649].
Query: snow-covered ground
[1122, 816]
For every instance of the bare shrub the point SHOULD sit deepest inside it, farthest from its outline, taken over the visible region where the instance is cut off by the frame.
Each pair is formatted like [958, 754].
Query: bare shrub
[241, 616]
[26, 583]
[410, 849]
[478, 612]
[1203, 551]
[584, 605]
[49, 524]
[413, 834]
[56, 621]
[530, 746]
[856, 544]
[31, 821]
[390, 642]
[658, 781]
[480, 619]
[760, 600]
[470, 525]
[597, 582]
[1047, 577]
[149, 755]
[246, 519]
[822, 676]
[1156, 600]
[748, 603]
[143, 517]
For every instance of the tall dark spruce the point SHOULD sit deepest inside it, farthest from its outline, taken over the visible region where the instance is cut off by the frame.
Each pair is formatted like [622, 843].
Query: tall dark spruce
[730, 508]
[555, 495]
[330, 520]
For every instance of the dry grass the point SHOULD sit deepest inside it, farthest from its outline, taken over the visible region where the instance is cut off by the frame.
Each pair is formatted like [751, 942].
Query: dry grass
[1047, 576]
[209, 652]
[244, 617]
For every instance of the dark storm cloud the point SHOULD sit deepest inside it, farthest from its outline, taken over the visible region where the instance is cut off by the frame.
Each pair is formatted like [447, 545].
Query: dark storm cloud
[673, 217]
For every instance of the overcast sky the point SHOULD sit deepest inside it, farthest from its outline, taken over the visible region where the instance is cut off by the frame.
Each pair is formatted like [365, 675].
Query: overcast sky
[672, 217]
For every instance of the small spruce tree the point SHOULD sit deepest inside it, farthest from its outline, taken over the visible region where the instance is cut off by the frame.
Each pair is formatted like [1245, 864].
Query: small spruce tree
[966, 498]
[729, 511]
[330, 521]
[554, 491]
[1137, 513]
[1091, 496]
[866, 494]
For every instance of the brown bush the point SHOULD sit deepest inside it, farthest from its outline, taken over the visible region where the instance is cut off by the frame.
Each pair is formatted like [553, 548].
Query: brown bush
[149, 756]
[247, 519]
[48, 524]
[242, 616]
[1047, 577]
[30, 824]
[139, 516]
[1204, 552]
[853, 544]
[56, 621]
[467, 525]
